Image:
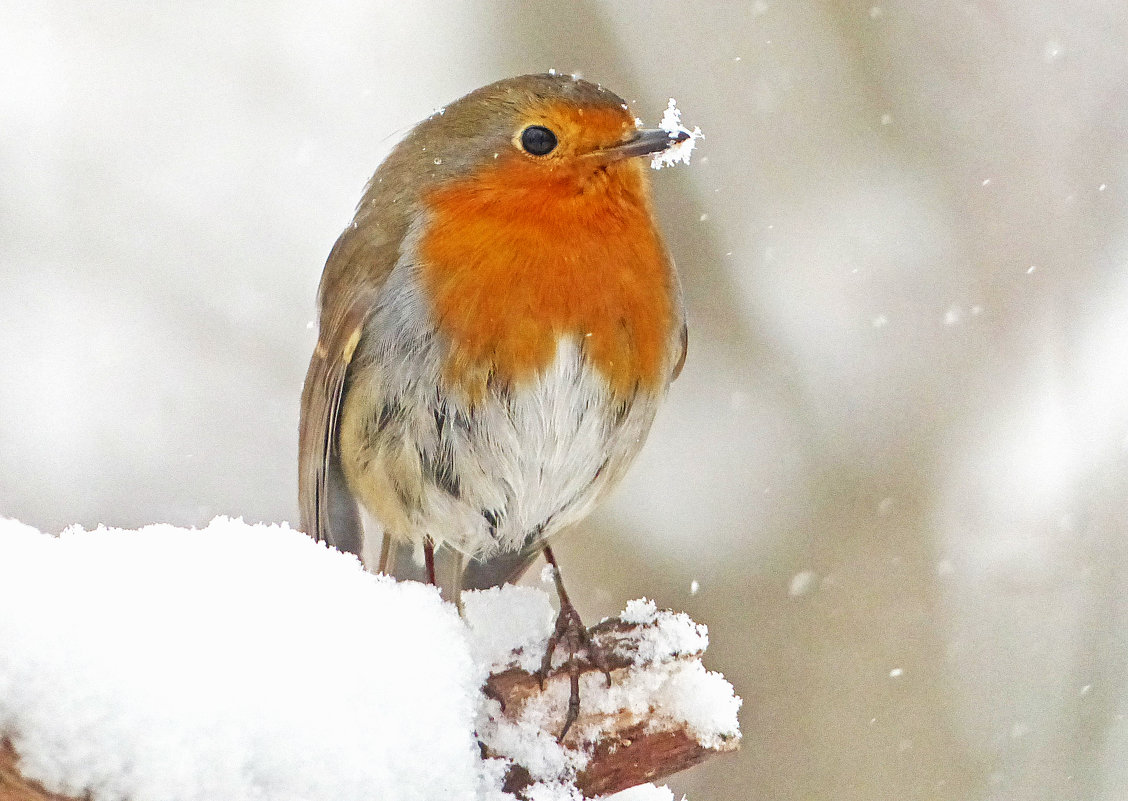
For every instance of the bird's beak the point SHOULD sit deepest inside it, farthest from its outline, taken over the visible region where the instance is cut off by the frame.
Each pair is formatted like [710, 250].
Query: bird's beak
[644, 143]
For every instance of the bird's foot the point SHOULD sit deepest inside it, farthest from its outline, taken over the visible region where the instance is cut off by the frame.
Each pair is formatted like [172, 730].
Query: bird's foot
[572, 638]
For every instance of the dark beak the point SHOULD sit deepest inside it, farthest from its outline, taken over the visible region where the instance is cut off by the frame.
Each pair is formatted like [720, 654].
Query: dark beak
[644, 143]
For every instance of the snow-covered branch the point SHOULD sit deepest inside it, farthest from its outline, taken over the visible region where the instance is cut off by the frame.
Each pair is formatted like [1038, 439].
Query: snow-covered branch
[247, 662]
[660, 713]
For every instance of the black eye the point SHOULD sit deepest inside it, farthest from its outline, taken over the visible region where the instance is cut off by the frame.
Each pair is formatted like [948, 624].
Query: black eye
[538, 140]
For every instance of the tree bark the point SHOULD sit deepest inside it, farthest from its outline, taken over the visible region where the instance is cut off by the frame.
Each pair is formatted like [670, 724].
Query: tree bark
[13, 786]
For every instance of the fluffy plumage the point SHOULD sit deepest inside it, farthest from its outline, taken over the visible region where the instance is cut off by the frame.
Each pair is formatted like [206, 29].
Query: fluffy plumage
[497, 330]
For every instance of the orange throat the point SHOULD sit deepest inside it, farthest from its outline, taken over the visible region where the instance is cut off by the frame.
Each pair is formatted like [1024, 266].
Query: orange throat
[514, 262]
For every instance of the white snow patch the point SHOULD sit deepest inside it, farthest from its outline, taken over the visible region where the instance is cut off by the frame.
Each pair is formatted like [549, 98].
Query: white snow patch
[671, 123]
[644, 792]
[526, 742]
[706, 701]
[235, 662]
[552, 791]
[673, 688]
[679, 691]
[674, 634]
[508, 620]
[640, 610]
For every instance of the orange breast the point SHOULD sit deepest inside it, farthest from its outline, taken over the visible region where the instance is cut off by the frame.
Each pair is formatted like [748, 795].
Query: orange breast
[513, 262]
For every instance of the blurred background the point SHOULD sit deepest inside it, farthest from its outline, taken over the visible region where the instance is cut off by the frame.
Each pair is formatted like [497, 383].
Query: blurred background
[892, 476]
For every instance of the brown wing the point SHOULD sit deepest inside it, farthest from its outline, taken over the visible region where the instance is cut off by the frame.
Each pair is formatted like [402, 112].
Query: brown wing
[355, 273]
[321, 403]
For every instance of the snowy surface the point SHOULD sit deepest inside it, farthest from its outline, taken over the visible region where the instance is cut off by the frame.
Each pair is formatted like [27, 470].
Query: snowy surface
[673, 691]
[508, 621]
[645, 792]
[671, 123]
[242, 662]
[674, 634]
[235, 662]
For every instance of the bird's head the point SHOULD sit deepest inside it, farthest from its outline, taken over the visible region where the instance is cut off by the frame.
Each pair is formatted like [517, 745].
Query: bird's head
[550, 137]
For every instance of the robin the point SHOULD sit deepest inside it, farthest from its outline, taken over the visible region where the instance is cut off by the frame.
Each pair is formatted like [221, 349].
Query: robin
[498, 326]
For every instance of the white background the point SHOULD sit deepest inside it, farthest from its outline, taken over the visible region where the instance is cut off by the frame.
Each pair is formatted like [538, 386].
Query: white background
[897, 461]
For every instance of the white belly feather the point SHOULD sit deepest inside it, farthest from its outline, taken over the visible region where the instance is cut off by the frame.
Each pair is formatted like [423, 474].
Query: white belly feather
[544, 455]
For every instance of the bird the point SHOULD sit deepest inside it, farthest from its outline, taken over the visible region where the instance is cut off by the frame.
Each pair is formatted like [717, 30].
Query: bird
[498, 326]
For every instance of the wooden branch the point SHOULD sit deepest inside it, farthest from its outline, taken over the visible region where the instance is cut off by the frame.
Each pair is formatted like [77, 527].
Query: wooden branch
[13, 786]
[621, 748]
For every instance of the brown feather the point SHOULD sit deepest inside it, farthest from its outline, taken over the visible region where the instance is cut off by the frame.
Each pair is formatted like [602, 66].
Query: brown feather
[680, 363]
[355, 271]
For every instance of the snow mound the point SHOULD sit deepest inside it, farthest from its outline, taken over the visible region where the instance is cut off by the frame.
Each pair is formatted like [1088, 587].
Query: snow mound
[236, 662]
[244, 662]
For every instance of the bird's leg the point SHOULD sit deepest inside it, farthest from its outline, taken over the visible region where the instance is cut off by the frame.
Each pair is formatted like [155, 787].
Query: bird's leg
[429, 560]
[387, 561]
[570, 635]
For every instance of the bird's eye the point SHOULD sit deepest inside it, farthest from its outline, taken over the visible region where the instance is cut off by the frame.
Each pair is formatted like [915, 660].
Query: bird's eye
[538, 140]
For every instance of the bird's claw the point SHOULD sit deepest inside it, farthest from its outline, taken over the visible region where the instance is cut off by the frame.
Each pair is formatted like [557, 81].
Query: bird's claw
[571, 636]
